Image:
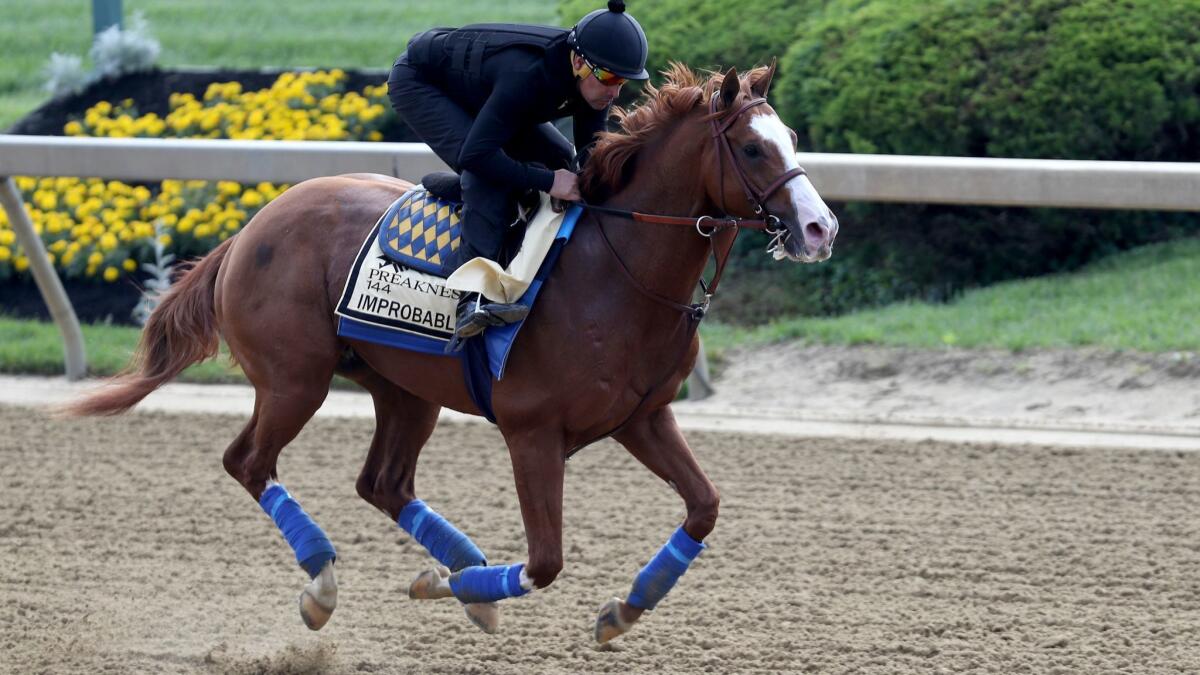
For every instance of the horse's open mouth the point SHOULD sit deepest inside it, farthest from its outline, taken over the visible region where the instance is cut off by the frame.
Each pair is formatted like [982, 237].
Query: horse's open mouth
[786, 247]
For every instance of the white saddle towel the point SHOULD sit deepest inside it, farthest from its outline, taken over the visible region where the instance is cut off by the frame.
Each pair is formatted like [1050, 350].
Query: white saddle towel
[507, 285]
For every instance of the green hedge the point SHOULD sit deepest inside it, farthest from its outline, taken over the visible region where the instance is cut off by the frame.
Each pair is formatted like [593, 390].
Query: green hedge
[1086, 79]
[708, 33]
[1079, 79]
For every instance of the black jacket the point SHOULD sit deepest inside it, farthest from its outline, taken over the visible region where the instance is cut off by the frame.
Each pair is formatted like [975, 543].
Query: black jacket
[509, 80]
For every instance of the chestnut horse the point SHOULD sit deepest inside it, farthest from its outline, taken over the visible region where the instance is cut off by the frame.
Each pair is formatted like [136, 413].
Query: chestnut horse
[604, 352]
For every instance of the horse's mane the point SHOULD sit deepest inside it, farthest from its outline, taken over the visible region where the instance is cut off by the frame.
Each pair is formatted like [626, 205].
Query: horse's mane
[608, 166]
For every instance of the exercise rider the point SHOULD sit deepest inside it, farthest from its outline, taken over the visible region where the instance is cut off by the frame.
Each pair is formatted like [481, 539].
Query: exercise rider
[483, 97]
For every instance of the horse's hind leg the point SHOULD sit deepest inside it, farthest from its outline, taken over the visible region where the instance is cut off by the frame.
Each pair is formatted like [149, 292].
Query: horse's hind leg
[289, 389]
[655, 440]
[403, 424]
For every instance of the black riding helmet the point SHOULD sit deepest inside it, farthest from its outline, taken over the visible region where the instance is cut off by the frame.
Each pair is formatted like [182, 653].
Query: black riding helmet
[612, 40]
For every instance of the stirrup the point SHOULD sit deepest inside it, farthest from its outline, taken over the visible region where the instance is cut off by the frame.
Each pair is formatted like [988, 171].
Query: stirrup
[506, 313]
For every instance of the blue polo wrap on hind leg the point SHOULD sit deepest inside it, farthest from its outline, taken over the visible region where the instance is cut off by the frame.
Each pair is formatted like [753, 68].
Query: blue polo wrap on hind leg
[449, 546]
[664, 569]
[488, 584]
[313, 549]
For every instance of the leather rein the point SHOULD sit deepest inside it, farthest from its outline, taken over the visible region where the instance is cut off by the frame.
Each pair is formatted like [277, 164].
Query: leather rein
[694, 313]
[768, 223]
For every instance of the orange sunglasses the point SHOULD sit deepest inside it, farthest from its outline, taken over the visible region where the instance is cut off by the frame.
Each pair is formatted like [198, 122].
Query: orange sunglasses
[605, 77]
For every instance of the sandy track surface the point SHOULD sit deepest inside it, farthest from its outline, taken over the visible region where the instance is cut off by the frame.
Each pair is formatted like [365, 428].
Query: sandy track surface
[127, 549]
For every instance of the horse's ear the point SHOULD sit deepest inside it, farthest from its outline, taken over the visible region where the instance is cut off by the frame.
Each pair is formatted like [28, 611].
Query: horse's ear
[731, 86]
[763, 84]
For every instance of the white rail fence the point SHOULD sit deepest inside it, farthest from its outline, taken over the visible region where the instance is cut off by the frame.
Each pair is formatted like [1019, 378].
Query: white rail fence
[838, 177]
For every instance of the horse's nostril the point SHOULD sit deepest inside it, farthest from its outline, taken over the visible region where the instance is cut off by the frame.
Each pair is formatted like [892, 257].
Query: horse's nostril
[815, 231]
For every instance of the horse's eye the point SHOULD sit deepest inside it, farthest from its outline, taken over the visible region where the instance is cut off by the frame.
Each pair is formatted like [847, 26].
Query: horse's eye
[751, 151]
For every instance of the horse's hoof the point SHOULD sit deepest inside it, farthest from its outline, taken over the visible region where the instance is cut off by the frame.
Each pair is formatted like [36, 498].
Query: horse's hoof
[485, 615]
[430, 585]
[609, 624]
[319, 598]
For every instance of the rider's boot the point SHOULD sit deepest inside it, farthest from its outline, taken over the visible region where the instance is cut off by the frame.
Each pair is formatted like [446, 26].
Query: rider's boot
[475, 315]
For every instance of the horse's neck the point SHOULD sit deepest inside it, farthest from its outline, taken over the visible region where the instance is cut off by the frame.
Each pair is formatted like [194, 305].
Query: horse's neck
[667, 179]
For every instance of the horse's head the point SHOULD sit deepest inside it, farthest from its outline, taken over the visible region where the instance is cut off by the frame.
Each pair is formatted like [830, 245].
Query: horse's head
[754, 170]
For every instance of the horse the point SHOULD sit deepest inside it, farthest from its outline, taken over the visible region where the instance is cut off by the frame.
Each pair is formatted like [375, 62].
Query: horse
[603, 353]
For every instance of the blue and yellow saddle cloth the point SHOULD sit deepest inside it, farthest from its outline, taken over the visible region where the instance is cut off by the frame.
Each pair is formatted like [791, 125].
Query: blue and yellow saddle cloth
[422, 232]
[395, 294]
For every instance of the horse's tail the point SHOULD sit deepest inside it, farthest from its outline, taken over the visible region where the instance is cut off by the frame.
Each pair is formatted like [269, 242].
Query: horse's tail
[181, 330]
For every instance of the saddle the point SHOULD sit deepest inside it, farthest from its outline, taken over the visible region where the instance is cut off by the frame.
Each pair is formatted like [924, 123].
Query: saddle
[447, 186]
[422, 230]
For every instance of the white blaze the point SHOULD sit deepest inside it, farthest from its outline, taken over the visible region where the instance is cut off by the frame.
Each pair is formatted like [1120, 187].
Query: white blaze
[806, 203]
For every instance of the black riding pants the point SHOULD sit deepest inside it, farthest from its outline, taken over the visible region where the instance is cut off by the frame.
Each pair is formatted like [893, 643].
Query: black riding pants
[442, 123]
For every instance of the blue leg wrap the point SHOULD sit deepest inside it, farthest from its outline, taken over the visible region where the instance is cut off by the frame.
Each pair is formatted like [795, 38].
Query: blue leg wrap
[313, 549]
[488, 584]
[663, 570]
[449, 546]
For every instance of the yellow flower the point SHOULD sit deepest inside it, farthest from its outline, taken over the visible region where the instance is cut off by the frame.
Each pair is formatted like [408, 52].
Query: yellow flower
[165, 239]
[95, 258]
[7, 237]
[130, 265]
[73, 128]
[22, 263]
[5, 254]
[252, 198]
[111, 274]
[108, 242]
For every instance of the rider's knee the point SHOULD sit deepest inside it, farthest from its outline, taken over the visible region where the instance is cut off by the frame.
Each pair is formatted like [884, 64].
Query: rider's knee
[487, 198]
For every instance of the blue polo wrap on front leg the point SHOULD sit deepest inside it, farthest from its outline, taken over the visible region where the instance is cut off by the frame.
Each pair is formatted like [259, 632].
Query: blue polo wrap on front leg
[664, 569]
[449, 546]
[488, 584]
[313, 549]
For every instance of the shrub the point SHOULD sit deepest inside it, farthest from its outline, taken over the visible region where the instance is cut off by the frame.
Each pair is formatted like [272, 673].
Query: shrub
[708, 33]
[1082, 79]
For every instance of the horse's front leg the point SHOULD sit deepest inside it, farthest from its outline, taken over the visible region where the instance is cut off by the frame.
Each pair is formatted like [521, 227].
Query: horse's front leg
[655, 440]
[538, 466]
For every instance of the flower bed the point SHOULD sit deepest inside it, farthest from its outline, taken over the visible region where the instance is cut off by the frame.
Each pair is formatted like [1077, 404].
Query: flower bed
[101, 231]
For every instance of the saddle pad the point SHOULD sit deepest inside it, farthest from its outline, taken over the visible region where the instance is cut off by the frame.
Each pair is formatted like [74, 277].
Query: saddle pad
[394, 304]
[422, 232]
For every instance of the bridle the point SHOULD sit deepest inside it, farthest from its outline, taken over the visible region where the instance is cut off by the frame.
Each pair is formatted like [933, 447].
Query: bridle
[758, 198]
[694, 313]
[766, 222]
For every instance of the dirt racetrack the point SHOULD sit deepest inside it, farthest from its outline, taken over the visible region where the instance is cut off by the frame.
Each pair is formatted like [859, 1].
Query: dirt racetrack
[126, 548]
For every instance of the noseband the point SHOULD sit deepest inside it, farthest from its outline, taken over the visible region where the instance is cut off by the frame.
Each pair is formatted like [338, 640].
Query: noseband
[757, 198]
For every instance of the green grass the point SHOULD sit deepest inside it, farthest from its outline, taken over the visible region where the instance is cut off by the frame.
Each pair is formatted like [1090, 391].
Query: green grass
[236, 33]
[35, 348]
[1143, 300]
